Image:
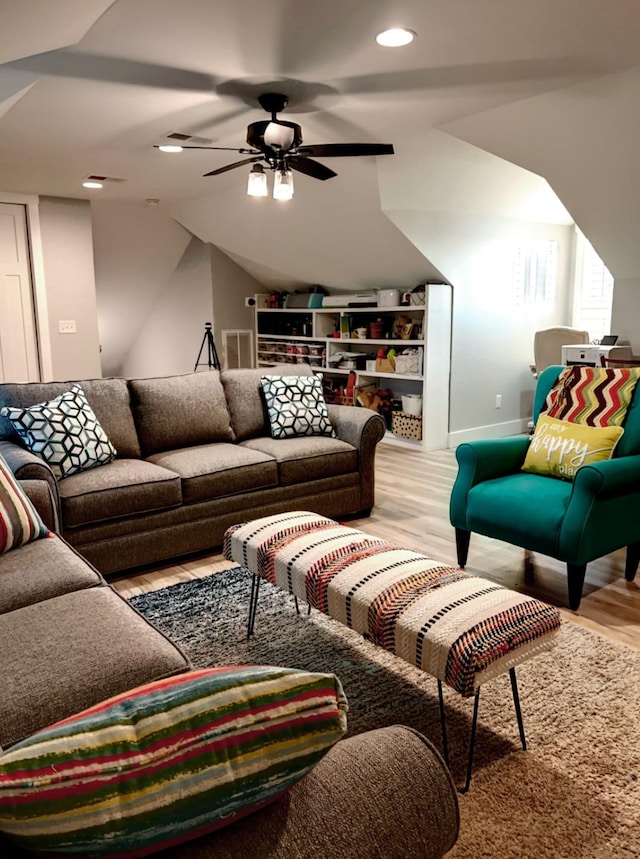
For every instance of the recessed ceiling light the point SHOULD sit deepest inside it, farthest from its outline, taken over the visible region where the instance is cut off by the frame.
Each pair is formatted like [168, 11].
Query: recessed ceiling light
[92, 184]
[170, 148]
[396, 37]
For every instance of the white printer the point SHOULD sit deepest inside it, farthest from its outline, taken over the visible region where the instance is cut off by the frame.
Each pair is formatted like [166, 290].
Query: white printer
[589, 354]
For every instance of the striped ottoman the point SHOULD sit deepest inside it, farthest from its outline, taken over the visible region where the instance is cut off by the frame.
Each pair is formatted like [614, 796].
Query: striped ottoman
[459, 628]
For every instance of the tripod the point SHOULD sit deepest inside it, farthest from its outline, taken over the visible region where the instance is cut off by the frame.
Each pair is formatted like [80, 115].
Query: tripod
[212, 362]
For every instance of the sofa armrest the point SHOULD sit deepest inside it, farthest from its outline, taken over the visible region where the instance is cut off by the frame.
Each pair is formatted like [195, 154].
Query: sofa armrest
[39, 493]
[27, 466]
[362, 428]
[385, 792]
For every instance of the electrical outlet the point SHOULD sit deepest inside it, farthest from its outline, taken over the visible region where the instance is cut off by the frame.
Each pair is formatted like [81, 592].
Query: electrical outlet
[67, 326]
[498, 401]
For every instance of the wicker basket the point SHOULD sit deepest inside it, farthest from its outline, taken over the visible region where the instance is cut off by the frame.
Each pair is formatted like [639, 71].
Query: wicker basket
[405, 425]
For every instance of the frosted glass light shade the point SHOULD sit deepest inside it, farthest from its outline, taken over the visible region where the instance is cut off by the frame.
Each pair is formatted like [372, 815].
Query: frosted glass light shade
[257, 184]
[283, 185]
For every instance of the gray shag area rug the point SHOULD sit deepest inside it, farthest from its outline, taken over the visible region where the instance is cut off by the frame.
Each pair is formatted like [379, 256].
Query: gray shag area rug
[575, 793]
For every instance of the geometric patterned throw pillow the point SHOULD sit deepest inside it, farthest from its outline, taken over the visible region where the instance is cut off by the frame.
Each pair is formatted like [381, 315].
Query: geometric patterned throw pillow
[595, 396]
[296, 406]
[19, 520]
[64, 432]
[168, 761]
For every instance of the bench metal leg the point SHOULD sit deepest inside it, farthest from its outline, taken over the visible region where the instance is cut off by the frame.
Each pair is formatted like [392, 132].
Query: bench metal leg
[472, 742]
[253, 603]
[474, 725]
[443, 725]
[298, 607]
[516, 704]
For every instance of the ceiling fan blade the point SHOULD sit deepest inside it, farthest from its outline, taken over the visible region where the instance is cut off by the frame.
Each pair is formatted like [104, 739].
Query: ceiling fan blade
[341, 150]
[312, 168]
[68, 63]
[233, 166]
[222, 148]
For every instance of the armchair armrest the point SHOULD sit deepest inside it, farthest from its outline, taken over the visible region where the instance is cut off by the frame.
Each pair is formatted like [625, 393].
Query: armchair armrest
[611, 477]
[483, 460]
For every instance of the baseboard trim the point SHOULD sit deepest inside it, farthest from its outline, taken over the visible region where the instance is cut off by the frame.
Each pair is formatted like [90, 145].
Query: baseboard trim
[515, 427]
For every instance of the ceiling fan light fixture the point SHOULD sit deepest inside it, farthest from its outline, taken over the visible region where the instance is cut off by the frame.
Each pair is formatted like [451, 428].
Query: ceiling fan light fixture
[170, 147]
[283, 184]
[396, 37]
[257, 184]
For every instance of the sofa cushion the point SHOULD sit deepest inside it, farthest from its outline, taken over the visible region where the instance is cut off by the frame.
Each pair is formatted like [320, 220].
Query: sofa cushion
[95, 646]
[179, 411]
[42, 570]
[243, 391]
[64, 432]
[296, 406]
[215, 470]
[109, 399]
[19, 519]
[308, 457]
[168, 761]
[121, 488]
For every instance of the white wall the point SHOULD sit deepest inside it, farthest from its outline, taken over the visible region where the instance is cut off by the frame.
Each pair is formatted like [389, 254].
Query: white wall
[157, 285]
[170, 336]
[467, 211]
[137, 250]
[67, 253]
[583, 139]
[231, 285]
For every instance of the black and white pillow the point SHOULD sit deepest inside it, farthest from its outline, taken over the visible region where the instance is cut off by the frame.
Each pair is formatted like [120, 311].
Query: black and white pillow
[296, 406]
[64, 431]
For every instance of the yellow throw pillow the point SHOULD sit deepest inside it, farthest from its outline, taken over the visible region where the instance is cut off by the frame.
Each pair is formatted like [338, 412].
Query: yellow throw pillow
[559, 448]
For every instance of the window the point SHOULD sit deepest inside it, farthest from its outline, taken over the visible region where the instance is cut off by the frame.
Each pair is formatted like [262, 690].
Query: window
[535, 272]
[593, 291]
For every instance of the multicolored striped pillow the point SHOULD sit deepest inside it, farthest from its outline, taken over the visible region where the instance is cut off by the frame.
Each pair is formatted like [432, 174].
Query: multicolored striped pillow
[594, 396]
[19, 519]
[168, 761]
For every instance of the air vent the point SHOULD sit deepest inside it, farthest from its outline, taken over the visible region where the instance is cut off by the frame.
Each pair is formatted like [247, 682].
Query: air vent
[179, 137]
[95, 178]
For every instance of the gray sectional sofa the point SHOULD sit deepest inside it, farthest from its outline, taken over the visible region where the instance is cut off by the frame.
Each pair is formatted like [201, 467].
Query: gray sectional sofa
[194, 455]
[68, 641]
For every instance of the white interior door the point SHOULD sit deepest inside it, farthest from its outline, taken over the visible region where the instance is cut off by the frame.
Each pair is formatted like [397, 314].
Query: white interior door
[18, 342]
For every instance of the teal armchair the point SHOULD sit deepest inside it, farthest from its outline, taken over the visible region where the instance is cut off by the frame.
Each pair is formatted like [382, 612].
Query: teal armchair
[572, 521]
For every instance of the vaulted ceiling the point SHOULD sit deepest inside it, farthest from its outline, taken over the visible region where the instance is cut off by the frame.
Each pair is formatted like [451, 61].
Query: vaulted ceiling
[89, 86]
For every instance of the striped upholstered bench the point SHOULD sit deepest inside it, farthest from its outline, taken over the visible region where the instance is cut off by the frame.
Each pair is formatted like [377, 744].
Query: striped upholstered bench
[461, 629]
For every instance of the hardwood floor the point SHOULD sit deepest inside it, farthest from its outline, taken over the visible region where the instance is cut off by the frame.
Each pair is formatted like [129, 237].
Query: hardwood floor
[412, 509]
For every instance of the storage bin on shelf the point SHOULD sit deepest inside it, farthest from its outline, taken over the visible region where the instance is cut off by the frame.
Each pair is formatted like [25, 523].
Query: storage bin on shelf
[405, 425]
[409, 363]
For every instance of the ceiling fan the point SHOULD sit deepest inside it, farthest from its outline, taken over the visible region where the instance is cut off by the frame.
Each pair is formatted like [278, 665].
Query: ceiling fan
[279, 144]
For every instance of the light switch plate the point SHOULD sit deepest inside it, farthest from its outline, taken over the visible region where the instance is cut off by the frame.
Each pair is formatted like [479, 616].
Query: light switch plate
[67, 326]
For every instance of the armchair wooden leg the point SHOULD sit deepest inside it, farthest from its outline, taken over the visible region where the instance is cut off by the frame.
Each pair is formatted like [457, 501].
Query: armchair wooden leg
[633, 559]
[575, 579]
[462, 546]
